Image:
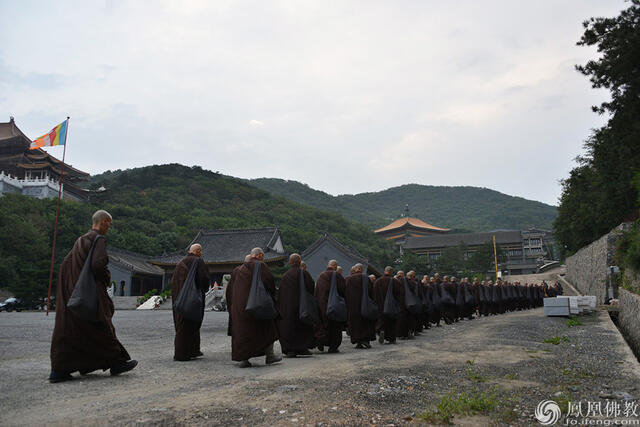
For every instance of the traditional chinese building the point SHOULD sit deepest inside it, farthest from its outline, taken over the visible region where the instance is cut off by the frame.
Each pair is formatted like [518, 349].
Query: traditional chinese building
[224, 250]
[326, 248]
[35, 173]
[409, 227]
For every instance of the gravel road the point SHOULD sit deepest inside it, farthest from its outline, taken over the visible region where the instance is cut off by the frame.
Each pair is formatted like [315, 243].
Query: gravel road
[502, 356]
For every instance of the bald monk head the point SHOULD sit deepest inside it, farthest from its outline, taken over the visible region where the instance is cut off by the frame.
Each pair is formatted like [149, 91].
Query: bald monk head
[388, 271]
[332, 265]
[446, 279]
[294, 260]
[358, 268]
[372, 277]
[196, 249]
[411, 274]
[247, 258]
[101, 221]
[339, 269]
[400, 274]
[303, 265]
[257, 253]
[453, 279]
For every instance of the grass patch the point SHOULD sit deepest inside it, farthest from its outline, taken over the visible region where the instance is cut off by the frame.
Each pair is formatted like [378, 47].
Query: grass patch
[478, 377]
[512, 377]
[577, 373]
[465, 403]
[573, 321]
[556, 340]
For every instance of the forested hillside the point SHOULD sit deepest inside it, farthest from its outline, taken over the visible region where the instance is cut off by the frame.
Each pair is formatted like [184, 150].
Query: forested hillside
[158, 209]
[459, 208]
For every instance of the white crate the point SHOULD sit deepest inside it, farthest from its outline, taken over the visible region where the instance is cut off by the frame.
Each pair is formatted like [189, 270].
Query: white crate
[557, 307]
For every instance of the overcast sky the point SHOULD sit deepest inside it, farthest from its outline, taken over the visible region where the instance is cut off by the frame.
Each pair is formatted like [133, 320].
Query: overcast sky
[346, 96]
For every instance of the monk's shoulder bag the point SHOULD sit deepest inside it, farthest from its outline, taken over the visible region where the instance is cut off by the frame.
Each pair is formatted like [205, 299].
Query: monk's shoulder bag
[260, 305]
[83, 302]
[336, 306]
[190, 302]
[391, 305]
[309, 313]
[368, 308]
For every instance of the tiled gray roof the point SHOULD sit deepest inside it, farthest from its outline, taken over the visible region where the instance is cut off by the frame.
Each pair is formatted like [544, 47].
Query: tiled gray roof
[348, 250]
[470, 239]
[229, 246]
[132, 261]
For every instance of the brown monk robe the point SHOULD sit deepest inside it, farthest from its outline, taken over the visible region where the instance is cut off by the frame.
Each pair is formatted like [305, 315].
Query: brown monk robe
[187, 341]
[435, 310]
[80, 345]
[328, 332]
[405, 322]
[449, 311]
[296, 337]
[416, 287]
[362, 330]
[386, 325]
[251, 337]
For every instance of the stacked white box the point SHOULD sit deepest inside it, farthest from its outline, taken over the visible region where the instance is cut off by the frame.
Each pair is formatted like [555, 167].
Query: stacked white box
[556, 307]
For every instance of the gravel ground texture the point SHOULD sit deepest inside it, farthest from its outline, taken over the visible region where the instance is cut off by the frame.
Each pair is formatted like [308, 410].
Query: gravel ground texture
[501, 359]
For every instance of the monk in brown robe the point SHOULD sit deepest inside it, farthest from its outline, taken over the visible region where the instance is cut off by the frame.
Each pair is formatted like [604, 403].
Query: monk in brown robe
[449, 310]
[386, 325]
[296, 337]
[435, 311]
[328, 332]
[229, 292]
[404, 322]
[187, 341]
[362, 330]
[79, 345]
[251, 337]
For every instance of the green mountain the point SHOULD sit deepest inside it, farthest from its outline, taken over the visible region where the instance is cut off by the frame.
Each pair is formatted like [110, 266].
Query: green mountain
[158, 209]
[458, 208]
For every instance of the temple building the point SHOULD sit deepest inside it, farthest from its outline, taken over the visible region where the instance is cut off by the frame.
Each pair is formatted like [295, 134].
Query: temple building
[35, 173]
[524, 250]
[224, 250]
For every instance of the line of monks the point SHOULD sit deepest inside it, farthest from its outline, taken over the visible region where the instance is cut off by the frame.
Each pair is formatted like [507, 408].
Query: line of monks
[439, 300]
[83, 346]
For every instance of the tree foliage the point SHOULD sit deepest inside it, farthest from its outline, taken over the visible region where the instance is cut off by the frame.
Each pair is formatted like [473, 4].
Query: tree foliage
[464, 209]
[599, 193]
[159, 209]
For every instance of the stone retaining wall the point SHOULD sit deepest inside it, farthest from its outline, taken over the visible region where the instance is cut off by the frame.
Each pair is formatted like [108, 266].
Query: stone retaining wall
[587, 268]
[629, 319]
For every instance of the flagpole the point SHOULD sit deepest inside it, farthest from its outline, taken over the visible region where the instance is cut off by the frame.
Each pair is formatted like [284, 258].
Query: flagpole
[495, 255]
[55, 228]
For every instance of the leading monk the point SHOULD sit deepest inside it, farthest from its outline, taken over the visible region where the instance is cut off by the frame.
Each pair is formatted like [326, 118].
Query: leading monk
[79, 345]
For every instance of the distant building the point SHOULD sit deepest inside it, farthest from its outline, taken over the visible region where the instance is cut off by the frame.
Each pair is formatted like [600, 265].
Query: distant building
[34, 173]
[133, 274]
[525, 250]
[327, 248]
[224, 250]
[403, 228]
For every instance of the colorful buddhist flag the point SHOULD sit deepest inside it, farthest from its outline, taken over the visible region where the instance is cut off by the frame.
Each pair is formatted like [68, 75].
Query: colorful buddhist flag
[57, 136]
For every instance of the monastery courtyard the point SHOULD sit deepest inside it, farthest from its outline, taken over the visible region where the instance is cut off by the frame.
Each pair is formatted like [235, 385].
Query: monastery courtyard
[501, 362]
